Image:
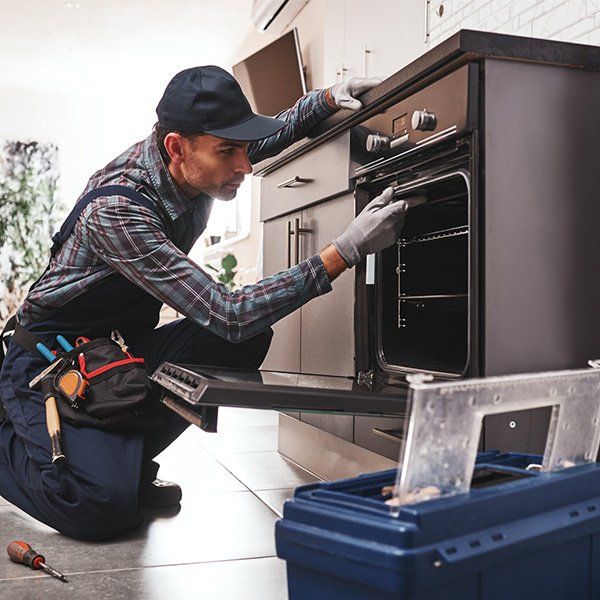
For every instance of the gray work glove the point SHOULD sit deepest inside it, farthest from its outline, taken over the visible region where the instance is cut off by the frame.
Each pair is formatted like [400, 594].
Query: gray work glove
[344, 94]
[375, 228]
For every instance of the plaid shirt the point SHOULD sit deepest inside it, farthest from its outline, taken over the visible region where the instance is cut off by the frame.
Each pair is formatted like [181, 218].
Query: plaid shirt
[113, 234]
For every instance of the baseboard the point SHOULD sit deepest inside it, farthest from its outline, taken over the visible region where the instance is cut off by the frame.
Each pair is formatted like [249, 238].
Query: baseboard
[324, 454]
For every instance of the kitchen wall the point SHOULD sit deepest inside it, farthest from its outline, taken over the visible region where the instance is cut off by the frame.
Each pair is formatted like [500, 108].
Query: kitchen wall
[88, 128]
[565, 20]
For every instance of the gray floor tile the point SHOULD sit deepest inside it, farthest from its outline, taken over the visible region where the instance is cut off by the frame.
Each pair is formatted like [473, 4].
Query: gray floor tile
[256, 579]
[213, 527]
[219, 520]
[192, 467]
[275, 499]
[265, 470]
[261, 438]
[246, 417]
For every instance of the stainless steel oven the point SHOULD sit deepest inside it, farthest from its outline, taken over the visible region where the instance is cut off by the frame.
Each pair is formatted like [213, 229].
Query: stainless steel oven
[415, 300]
[494, 273]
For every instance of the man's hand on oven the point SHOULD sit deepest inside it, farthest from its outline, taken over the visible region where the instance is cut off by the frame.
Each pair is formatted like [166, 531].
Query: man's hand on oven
[344, 94]
[375, 228]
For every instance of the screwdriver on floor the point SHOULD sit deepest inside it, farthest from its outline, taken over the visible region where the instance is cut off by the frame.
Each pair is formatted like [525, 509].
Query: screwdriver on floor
[22, 553]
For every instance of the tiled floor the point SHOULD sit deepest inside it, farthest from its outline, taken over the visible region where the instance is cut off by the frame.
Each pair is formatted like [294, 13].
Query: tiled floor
[219, 545]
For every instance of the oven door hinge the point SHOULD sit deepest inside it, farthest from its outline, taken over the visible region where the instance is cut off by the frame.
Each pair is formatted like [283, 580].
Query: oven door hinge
[366, 379]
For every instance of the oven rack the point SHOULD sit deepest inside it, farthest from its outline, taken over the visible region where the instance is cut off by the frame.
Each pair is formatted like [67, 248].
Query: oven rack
[436, 235]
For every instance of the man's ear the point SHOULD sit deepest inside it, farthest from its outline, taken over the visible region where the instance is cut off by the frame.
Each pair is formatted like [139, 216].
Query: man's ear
[174, 147]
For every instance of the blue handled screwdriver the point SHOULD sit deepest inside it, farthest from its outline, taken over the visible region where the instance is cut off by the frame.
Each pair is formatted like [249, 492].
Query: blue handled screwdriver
[64, 344]
[45, 352]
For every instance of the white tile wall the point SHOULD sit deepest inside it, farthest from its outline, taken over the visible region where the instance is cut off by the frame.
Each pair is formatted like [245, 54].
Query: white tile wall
[566, 20]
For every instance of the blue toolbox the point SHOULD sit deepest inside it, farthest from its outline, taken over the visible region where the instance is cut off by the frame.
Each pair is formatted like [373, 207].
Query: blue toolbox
[454, 524]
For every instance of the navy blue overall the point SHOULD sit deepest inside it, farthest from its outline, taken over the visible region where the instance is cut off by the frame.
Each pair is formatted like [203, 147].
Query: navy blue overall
[93, 494]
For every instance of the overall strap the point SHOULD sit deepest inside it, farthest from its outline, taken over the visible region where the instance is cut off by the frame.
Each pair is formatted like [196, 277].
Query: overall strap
[107, 190]
[60, 236]
[12, 328]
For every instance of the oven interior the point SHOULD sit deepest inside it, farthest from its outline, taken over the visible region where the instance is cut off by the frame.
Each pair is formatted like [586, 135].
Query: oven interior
[423, 305]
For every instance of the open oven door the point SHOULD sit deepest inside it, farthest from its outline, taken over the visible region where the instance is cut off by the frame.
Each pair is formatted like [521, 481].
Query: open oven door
[195, 392]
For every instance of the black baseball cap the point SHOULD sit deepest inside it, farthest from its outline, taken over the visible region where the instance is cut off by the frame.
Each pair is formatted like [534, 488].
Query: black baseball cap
[209, 100]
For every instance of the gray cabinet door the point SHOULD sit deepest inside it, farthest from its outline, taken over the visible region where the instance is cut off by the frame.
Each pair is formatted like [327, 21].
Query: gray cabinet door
[278, 246]
[327, 338]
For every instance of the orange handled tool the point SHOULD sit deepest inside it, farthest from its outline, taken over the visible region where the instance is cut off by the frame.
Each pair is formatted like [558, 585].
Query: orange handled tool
[22, 553]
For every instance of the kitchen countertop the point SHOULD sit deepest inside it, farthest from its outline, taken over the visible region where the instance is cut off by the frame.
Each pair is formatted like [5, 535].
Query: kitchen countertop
[464, 46]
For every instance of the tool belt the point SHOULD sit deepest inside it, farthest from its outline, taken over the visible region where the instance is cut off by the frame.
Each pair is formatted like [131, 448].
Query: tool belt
[99, 384]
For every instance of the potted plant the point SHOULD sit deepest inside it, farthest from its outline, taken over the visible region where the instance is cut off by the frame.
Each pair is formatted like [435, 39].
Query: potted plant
[226, 273]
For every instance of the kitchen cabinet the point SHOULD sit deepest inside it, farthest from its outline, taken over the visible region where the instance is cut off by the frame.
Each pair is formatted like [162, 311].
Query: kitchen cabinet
[284, 353]
[374, 38]
[319, 337]
[327, 324]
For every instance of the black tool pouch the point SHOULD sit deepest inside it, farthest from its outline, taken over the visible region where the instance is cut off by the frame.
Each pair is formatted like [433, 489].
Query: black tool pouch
[118, 395]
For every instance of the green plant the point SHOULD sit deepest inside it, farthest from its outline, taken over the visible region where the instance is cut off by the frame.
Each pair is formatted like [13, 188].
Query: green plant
[226, 273]
[28, 203]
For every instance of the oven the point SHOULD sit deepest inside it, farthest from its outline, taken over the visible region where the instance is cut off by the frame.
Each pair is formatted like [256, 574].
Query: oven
[416, 301]
[493, 274]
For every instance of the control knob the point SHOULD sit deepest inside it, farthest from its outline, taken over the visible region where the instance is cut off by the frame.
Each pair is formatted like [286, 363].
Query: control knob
[377, 144]
[423, 120]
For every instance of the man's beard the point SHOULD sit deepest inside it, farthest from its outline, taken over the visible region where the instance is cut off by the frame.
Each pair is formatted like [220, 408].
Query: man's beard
[228, 192]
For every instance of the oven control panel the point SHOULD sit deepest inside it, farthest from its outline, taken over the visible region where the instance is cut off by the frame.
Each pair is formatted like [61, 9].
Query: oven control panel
[439, 109]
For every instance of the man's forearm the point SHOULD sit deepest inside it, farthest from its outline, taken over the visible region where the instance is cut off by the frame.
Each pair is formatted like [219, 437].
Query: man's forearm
[308, 111]
[332, 261]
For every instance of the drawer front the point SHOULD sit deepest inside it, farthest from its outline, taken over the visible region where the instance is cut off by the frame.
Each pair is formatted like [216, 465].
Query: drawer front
[320, 174]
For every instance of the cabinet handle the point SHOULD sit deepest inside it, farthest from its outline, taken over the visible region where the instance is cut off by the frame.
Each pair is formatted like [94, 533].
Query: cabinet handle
[297, 231]
[290, 233]
[366, 52]
[340, 72]
[290, 182]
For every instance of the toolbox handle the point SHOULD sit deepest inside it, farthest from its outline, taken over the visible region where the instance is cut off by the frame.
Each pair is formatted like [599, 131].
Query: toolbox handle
[446, 421]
